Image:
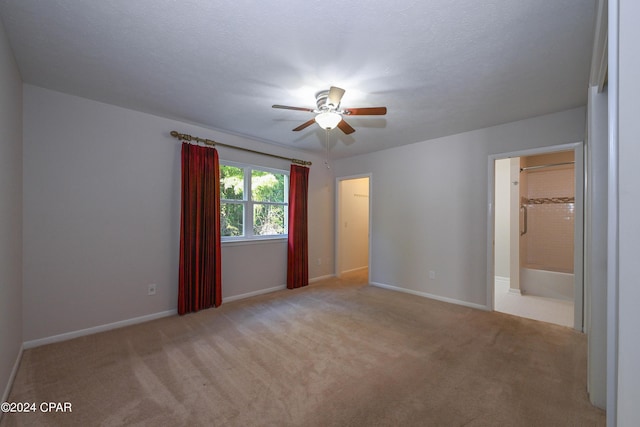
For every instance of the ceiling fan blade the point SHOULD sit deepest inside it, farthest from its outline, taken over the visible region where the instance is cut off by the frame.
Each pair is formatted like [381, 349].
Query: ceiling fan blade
[373, 111]
[305, 124]
[286, 107]
[335, 95]
[345, 127]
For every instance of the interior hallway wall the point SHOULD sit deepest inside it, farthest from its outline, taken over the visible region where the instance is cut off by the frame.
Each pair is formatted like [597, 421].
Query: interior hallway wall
[10, 214]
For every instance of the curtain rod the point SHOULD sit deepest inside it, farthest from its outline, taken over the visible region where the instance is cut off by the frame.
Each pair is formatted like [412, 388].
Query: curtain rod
[546, 166]
[186, 137]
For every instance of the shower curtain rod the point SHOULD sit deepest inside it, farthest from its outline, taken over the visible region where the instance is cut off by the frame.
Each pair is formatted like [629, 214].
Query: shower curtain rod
[546, 166]
[186, 137]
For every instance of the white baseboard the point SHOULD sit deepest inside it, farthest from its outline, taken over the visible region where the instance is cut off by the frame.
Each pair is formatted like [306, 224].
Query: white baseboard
[101, 328]
[320, 278]
[12, 377]
[505, 282]
[253, 294]
[432, 296]
[94, 330]
[353, 270]
[268, 290]
[501, 280]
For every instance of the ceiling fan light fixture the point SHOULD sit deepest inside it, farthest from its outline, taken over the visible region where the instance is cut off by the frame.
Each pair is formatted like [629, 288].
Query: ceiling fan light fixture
[328, 119]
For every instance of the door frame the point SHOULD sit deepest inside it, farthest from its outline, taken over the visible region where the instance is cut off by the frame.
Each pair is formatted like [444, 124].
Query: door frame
[578, 243]
[338, 221]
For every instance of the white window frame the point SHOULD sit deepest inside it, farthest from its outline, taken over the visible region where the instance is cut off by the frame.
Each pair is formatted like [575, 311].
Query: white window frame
[248, 235]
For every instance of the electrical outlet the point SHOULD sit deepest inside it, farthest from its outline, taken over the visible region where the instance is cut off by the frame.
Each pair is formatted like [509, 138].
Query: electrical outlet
[319, 261]
[151, 289]
[432, 274]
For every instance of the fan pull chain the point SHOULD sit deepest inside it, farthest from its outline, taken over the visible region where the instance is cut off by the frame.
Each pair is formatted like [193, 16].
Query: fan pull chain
[326, 162]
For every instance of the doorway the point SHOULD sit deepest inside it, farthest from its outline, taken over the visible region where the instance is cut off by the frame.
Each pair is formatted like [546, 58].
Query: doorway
[353, 225]
[537, 236]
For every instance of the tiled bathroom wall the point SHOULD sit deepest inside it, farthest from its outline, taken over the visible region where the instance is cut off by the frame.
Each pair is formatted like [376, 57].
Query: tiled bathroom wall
[549, 200]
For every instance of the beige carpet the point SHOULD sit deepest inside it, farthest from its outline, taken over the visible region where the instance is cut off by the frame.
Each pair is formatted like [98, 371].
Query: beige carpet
[337, 353]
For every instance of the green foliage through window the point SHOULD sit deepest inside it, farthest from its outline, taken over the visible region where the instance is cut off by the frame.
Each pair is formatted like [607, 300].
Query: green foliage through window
[264, 213]
[231, 182]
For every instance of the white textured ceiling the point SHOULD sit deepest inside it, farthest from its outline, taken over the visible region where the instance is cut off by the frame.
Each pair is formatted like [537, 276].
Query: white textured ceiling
[440, 66]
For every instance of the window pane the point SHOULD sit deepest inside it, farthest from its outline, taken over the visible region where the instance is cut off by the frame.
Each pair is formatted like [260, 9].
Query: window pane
[268, 219]
[231, 182]
[231, 219]
[267, 186]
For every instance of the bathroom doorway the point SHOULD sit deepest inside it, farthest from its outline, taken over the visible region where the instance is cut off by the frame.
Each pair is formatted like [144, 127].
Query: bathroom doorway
[352, 225]
[538, 237]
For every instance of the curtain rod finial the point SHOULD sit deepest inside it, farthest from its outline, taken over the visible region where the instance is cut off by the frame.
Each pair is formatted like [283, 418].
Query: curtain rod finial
[182, 136]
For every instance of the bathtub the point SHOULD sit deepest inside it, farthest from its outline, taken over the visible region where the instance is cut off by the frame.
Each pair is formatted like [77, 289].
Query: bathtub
[545, 283]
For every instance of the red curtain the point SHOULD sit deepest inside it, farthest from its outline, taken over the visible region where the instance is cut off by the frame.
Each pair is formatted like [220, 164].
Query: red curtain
[199, 283]
[297, 252]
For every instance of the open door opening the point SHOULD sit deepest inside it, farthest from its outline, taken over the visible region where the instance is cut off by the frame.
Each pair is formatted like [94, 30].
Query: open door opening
[536, 247]
[352, 239]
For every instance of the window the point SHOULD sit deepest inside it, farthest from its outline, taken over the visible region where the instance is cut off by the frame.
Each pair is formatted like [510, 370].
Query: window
[253, 202]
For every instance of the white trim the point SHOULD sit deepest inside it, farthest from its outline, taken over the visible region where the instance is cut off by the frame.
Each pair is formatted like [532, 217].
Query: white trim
[95, 329]
[502, 279]
[353, 270]
[283, 239]
[599, 54]
[506, 282]
[432, 296]
[612, 219]
[253, 294]
[269, 290]
[12, 377]
[122, 323]
[491, 233]
[579, 250]
[320, 278]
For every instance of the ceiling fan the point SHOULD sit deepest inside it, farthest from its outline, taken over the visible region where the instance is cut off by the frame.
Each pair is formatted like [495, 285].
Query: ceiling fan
[329, 114]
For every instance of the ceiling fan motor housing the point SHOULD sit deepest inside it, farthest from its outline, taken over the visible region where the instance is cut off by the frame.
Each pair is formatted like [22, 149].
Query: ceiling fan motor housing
[322, 99]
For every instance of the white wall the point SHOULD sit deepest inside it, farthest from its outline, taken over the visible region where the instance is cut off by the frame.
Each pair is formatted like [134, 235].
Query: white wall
[628, 92]
[429, 208]
[596, 252]
[354, 224]
[101, 215]
[10, 214]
